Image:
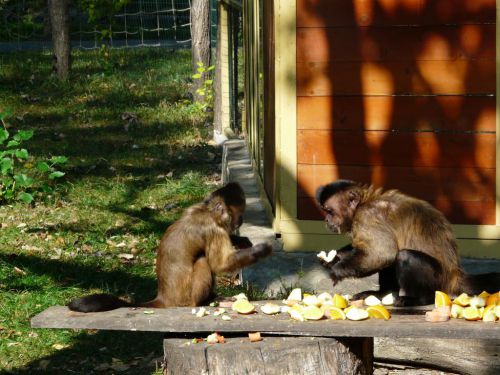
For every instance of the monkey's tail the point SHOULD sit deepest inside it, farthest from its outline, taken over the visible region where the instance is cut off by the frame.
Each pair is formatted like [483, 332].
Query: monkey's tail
[476, 283]
[98, 302]
[107, 302]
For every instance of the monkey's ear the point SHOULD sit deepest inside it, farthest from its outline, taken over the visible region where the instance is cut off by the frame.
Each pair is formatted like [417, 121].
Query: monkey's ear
[353, 198]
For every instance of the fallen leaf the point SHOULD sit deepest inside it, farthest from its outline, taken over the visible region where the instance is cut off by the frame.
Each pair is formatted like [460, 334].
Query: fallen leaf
[126, 256]
[19, 271]
[60, 346]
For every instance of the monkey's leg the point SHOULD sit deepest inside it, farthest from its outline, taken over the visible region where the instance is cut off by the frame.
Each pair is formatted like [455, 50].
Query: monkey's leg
[419, 276]
[388, 283]
[202, 282]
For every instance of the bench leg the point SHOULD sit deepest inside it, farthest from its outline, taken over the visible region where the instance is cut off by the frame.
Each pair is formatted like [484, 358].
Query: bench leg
[273, 355]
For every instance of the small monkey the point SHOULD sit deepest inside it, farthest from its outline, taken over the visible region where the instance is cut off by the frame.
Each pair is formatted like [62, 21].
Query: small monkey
[192, 251]
[405, 239]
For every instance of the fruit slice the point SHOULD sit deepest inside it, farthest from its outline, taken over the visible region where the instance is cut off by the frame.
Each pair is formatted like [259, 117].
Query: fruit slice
[325, 298]
[436, 316]
[472, 313]
[493, 299]
[388, 299]
[462, 300]
[312, 313]
[457, 311]
[442, 299]
[295, 295]
[497, 311]
[339, 301]
[254, 336]
[378, 312]
[270, 308]
[242, 306]
[296, 315]
[335, 313]
[489, 313]
[477, 301]
[484, 294]
[371, 301]
[356, 313]
[311, 300]
[240, 296]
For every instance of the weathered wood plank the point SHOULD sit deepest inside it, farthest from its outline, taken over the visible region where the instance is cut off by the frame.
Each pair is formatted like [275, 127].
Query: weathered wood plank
[474, 357]
[390, 44]
[334, 13]
[396, 78]
[273, 355]
[181, 320]
[408, 113]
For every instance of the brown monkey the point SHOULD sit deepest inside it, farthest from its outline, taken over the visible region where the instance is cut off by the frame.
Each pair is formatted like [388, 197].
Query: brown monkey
[405, 239]
[191, 252]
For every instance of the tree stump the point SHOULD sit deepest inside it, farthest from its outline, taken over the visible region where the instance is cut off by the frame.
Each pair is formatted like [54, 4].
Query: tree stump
[272, 355]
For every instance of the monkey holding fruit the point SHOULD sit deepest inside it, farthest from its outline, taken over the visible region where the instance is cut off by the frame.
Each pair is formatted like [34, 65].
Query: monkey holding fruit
[192, 250]
[409, 242]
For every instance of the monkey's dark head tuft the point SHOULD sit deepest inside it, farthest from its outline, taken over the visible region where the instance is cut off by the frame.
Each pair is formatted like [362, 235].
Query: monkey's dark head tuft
[231, 193]
[326, 191]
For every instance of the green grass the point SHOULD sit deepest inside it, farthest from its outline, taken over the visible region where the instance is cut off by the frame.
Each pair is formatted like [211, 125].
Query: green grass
[123, 187]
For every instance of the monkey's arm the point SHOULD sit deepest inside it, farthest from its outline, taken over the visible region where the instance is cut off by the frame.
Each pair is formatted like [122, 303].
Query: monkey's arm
[366, 255]
[240, 242]
[222, 257]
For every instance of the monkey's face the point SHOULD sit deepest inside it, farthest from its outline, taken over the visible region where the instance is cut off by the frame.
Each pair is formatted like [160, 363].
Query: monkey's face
[236, 213]
[339, 213]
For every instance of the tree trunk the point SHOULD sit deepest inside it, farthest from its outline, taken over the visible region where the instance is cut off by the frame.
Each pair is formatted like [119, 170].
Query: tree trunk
[200, 39]
[59, 21]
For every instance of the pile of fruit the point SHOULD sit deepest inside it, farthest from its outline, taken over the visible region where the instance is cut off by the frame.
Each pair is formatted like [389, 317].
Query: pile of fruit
[485, 307]
[311, 307]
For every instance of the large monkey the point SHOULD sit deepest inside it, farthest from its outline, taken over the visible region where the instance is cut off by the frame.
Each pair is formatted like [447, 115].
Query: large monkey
[191, 252]
[405, 239]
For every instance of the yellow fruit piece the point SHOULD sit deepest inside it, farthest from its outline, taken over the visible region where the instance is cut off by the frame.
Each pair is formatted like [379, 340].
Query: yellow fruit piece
[242, 306]
[477, 301]
[270, 308]
[493, 299]
[296, 315]
[388, 299]
[484, 294]
[336, 313]
[462, 300]
[497, 311]
[312, 313]
[442, 299]
[457, 311]
[295, 295]
[357, 314]
[489, 313]
[339, 301]
[298, 308]
[371, 300]
[378, 312]
[471, 313]
[311, 300]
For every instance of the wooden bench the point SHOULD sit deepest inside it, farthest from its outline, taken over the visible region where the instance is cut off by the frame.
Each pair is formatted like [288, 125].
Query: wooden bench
[312, 347]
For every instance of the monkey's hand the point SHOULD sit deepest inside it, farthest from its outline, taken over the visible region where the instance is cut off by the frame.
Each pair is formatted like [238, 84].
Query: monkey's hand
[240, 242]
[262, 250]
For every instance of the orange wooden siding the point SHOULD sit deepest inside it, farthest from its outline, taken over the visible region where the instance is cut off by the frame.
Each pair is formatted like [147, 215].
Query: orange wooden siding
[401, 94]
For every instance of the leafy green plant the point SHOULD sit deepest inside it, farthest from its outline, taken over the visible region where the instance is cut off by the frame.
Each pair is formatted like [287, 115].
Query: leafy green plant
[15, 183]
[206, 86]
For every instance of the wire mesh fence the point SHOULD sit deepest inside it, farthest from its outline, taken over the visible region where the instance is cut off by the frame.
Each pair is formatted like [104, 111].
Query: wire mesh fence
[24, 25]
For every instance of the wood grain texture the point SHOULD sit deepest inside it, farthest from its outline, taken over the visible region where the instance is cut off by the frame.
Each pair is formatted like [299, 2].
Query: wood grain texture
[182, 320]
[472, 357]
[396, 78]
[402, 43]
[458, 113]
[457, 212]
[402, 149]
[332, 13]
[273, 355]
[467, 184]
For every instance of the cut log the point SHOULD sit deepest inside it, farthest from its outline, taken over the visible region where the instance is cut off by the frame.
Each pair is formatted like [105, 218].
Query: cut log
[272, 355]
[475, 357]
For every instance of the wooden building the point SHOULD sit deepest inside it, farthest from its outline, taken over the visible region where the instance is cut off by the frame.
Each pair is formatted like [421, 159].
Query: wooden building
[397, 93]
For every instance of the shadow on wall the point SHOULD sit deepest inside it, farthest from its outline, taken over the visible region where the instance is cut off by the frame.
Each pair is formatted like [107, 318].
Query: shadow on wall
[401, 95]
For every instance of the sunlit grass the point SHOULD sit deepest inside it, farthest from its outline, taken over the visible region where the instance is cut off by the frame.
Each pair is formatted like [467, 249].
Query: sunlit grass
[126, 181]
